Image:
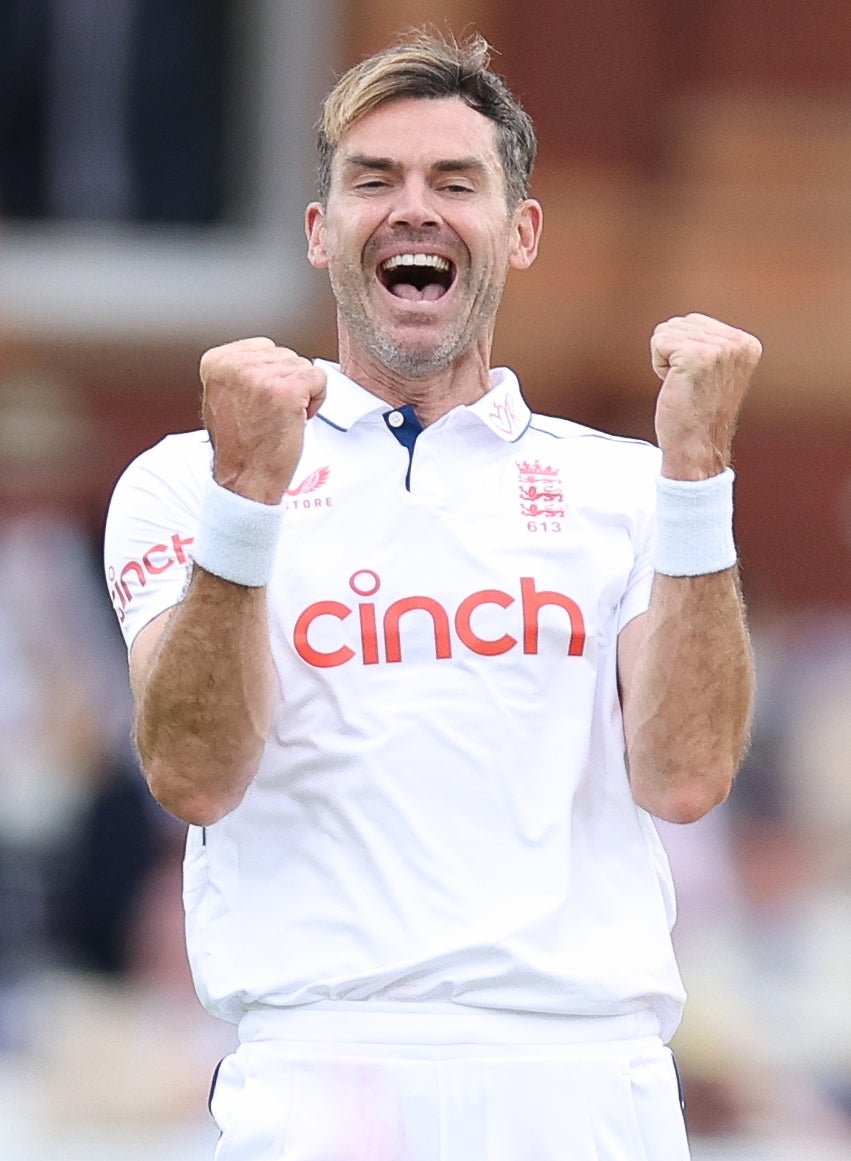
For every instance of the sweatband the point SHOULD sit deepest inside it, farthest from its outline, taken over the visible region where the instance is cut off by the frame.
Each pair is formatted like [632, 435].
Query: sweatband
[237, 538]
[694, 525]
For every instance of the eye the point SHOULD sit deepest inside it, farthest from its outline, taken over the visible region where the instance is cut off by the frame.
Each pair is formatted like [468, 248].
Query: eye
[372, 182]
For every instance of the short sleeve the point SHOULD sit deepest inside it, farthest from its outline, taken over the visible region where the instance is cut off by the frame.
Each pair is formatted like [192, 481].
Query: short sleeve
[636, 596]
[150, 526]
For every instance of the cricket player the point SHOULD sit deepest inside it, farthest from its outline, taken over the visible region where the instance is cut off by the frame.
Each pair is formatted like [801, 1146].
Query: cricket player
[419, 668]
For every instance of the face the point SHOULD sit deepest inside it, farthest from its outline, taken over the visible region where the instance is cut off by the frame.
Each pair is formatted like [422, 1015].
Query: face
[417, 235]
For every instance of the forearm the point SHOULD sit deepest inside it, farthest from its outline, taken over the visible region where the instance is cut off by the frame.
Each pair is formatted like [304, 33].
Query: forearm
[204, 699]
[688, 716]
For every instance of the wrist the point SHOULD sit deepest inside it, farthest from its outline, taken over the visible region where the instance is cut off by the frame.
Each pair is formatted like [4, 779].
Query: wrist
[250, 485]
[694, 525]
[693, 464]
[236, 538]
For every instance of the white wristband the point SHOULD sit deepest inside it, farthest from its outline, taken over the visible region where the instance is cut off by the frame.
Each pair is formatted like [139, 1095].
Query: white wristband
[237, 538]
[694, 525]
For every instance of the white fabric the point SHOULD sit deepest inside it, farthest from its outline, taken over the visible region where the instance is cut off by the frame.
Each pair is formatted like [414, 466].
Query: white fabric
[442, 812]
[694, 525]
[237, 538]
[418, 1022]
[310, 1100]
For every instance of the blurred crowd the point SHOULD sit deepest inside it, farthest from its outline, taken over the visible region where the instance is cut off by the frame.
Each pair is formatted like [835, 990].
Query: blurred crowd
[111, 111]
[764, 886]
[92, 966]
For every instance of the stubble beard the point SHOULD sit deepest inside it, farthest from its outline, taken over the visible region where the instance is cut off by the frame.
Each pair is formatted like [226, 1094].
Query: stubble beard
[404, 360]
[411, 361]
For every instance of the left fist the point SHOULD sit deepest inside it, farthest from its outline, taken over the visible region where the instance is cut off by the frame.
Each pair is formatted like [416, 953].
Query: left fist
[705, 367]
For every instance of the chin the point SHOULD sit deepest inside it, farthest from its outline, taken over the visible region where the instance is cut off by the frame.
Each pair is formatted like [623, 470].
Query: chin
[415, 360]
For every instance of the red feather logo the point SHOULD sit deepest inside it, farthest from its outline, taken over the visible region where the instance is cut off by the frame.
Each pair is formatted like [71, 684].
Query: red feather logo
[317, 479]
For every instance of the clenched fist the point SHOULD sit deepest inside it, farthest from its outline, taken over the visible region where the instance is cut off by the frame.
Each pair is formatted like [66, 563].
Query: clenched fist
[256, 399]
[705, 367]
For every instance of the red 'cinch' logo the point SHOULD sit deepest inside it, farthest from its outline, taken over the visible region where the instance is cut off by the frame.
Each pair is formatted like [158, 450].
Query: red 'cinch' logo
[372, 641]
[158, 559]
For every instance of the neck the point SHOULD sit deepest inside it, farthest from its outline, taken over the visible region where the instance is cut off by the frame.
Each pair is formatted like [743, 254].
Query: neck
[432, 395]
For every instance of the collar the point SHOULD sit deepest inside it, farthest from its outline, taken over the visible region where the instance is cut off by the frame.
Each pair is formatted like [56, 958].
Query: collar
[503, 409]
[345, 400]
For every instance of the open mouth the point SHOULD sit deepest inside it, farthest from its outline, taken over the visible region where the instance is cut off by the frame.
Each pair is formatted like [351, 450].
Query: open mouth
[417, 277]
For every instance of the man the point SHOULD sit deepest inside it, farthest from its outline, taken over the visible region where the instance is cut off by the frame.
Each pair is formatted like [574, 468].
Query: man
[422, 690]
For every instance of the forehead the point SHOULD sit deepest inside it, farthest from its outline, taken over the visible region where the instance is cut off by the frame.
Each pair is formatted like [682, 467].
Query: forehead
[422, 131]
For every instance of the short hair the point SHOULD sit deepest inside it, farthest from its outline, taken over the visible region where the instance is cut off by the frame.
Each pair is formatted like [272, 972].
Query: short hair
[426, 64]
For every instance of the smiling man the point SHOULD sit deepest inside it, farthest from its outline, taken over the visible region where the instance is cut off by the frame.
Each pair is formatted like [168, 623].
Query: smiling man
[418, 667]
[418, 230]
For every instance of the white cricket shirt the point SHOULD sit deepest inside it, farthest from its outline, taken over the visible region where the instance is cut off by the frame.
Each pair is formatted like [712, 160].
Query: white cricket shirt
[442, 811]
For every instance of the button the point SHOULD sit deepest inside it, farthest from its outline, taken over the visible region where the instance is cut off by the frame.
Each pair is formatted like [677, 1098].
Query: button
[395, 419]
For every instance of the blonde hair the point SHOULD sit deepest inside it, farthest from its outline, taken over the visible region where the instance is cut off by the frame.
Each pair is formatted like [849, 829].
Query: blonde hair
[427, 65]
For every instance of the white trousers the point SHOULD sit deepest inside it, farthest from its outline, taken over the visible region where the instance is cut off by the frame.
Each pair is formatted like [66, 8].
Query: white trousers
[318, 1099]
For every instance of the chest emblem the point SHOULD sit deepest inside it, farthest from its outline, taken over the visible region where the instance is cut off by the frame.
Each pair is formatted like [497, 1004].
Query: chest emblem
[541, 490]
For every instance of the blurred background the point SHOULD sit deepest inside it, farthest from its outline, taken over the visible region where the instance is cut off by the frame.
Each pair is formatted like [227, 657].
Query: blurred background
[155, 158]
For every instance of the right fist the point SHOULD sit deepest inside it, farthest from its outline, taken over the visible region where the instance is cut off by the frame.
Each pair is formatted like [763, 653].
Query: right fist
[255, 402]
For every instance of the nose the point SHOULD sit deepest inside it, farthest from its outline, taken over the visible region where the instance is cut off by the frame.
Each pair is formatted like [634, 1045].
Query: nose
[414, 206]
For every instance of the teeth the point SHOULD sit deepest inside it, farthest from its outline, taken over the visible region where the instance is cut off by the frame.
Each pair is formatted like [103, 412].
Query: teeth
[416, 260]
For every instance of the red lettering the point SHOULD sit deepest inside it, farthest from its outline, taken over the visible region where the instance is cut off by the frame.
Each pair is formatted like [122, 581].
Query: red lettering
[116, 589]
[147, 566]
[533, 602]
[366, 583]
[308, 503]
[132, 566]
[464, 628]
[440, 620]
[368, 634]
[116, 595]
[303, 647]
[153, 568]
[179, 544]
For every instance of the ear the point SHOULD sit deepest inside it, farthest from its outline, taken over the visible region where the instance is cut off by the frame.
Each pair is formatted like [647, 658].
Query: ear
[314, 228]
[528, 223]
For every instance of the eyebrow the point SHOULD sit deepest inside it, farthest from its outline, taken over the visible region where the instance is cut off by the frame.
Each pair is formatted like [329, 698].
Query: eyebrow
[387, 164]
